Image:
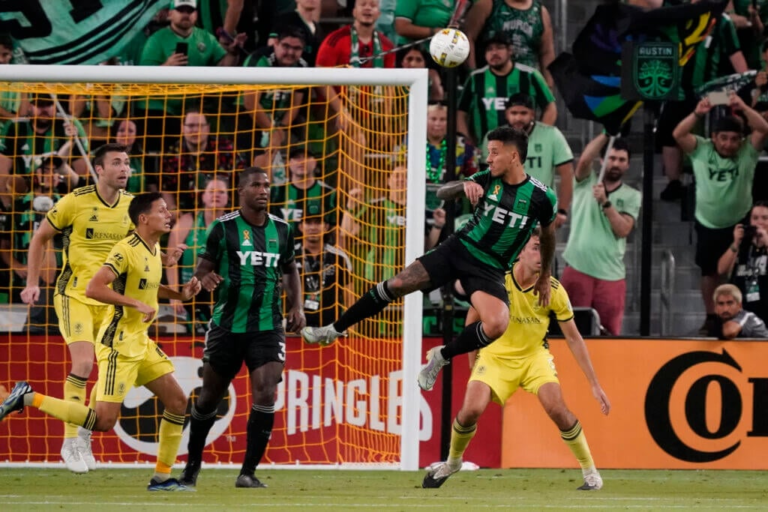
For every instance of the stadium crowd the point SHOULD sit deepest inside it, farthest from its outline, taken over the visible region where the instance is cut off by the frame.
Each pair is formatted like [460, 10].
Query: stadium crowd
[190, 149]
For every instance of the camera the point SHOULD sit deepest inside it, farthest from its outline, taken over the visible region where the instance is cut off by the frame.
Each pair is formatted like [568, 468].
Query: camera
[750, 232]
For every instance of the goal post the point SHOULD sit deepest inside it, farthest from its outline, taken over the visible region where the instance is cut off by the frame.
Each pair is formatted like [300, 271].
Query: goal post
[415, 82]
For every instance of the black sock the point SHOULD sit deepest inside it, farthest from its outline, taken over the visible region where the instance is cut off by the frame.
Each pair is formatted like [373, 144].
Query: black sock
[471, 338]
[260, 423]
[370, 304]
[199, 426]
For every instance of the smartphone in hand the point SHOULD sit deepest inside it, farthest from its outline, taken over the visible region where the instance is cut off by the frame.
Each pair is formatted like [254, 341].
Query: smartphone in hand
[182, 48]
[718, 98]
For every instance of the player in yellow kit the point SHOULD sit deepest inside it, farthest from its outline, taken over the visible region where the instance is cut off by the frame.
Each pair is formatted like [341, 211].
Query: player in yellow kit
[127, 356]
[521, 358]
[92, 219]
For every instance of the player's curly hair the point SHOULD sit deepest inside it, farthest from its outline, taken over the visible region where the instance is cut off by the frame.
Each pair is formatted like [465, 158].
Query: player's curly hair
[508, 135]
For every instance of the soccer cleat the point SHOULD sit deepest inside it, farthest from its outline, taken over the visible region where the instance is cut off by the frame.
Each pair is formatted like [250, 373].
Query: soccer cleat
[171, 484]
[15, 399]
[248, 481]
[429, 372]
[592, 482]
[322, 335]
[438, 473]
[189, 474]
[83, 442]
[70, 453]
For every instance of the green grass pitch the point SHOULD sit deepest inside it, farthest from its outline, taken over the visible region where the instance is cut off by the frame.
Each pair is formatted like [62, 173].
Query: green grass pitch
[110, 490]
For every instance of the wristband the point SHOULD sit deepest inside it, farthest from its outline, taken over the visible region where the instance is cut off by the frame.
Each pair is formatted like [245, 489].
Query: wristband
[734, 249]
[562, 211]
[607, 205]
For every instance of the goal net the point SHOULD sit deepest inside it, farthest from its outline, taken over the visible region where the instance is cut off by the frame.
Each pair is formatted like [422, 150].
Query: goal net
[335, 143]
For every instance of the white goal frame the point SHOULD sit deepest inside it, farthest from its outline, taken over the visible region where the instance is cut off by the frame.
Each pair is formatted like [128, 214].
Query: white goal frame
[417, 82]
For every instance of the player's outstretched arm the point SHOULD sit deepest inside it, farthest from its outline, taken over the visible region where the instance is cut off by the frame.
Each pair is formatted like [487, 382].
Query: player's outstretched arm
[581, 354]
[188, 291]
[98, 289]
[37, 246]
[295, 320]
[454, 189]
[542, 287]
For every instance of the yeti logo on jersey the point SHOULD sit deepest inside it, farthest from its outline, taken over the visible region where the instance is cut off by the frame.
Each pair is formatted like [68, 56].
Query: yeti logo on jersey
[500, 216]
[247, 238]
[258, 259]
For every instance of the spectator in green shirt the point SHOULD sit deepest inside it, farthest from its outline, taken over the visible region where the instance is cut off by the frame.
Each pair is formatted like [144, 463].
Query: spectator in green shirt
[180, 44]
[12, 104]
[724, 168]
[603, 215]
[419, 19]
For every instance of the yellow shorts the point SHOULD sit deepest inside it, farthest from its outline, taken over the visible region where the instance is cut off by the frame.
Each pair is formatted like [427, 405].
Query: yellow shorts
[78, 321]
[504, 376]
[118, 374]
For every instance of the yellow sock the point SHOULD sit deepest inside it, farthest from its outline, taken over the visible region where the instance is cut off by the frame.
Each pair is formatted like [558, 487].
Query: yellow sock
[168, 445]
[460, 438]
[69, 412]
[92, 399]
[74, 391]
[577, 443]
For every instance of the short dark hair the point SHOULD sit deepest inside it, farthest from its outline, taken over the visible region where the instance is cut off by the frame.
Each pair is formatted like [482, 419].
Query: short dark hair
[728, 124]
[289, 31]
[248, 172]
[141, 204]
[620, 145]
[508, 135]
[100, 154]
[520, 99]
[5, 40]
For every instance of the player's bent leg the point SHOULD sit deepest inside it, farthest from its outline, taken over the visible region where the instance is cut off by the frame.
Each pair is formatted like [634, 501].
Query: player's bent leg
[168, 391]
[264, 381]
[201, 420]
[551, 398]
[414, 277]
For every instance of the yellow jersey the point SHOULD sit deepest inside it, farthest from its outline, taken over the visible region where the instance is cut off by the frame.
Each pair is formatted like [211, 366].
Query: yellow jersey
[90, 228]
[529, 322]
[138, 269]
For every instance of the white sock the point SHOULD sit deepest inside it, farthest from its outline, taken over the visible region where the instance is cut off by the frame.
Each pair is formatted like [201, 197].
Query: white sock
[161, 477]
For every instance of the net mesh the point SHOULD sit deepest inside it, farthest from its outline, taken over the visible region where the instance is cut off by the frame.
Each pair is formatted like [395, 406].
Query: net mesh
[337, 177]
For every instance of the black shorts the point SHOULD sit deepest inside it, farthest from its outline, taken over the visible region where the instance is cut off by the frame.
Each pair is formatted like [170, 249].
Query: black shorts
[225, 351]
[451, 260]
[710, 246]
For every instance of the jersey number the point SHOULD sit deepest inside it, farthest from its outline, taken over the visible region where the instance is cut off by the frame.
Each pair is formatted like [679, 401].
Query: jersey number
[281, 354]
[31, 21]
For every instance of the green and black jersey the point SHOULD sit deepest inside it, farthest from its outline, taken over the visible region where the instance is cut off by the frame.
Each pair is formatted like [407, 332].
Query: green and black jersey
[291, 203]
[20, 142]
[485, 96]
[505, 217]
[252, 261]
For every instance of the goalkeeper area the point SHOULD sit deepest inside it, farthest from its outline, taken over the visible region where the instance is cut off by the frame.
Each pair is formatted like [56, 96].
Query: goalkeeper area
[537, 489]
[337, 147]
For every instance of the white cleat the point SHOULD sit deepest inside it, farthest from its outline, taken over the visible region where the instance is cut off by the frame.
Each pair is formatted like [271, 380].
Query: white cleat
[429, 372]
[438, 473]
[322, 335]
[84, 447]
[70, 452]
[592, 482]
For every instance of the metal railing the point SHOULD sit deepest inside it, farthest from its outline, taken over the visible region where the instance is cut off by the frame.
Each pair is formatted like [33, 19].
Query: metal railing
[667, 292]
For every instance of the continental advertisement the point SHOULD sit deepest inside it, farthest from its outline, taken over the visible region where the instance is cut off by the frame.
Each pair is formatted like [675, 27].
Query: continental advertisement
[676, 404]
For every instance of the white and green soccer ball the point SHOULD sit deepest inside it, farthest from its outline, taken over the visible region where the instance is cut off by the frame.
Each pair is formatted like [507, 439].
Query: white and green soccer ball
[449, 47]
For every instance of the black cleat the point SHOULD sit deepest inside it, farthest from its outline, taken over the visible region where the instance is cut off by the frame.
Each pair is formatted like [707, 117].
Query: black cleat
[170, 485]
[437, 474]
[248, 481]
[189, 475]
[14, 401]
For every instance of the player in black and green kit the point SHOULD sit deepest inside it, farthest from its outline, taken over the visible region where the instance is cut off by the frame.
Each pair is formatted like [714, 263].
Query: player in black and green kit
[247, 255]
[509, 204]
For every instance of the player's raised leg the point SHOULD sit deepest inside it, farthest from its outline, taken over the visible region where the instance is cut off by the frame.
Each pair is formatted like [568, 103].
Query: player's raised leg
[264, 381]
[202, 418]
[551, 398]
[476, 399]
[167, 389]
[413, 278]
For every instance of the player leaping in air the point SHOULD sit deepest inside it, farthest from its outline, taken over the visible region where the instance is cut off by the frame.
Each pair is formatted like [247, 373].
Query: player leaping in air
[509, 204]
[521, 359]
[127, 356]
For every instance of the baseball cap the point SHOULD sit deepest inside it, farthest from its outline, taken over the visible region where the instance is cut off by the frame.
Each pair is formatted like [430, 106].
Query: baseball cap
[498, 38]
[192, 4]
[40, 97]
[520, 99]
[313, 213]
[301, 152]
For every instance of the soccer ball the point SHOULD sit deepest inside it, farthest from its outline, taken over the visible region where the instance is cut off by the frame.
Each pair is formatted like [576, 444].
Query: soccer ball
[449, 47]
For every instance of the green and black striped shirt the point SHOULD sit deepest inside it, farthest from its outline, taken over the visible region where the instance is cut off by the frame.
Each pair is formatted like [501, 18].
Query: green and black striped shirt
[505, 217]
[251, 260]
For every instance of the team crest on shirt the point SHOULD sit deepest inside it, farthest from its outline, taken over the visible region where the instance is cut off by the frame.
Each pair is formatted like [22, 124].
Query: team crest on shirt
[619, 203]
[480, 369]
[201, 47]
[247, 238]
[537, 148]
[78, 329]
[126, 219]
[94, 215]
[495, 194]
